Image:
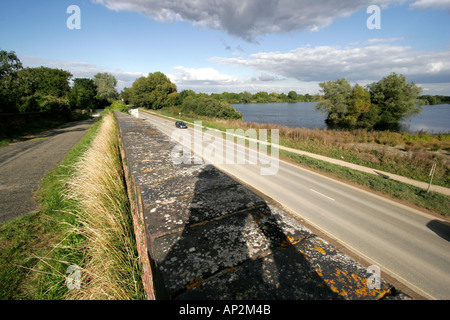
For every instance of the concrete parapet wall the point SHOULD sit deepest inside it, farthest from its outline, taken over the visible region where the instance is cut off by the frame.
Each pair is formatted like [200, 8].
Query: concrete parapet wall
[203, 235]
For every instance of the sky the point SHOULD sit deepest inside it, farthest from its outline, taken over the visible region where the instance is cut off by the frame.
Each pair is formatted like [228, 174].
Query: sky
[235, 45]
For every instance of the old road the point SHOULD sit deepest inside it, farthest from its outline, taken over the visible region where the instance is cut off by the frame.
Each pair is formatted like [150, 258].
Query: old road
[410, 246]
[24, 164]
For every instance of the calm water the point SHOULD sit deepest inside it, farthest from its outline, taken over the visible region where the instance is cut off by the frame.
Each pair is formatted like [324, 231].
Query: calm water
[433, 119]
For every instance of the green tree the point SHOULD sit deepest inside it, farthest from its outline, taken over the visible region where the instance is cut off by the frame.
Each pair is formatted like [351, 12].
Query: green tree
[292, 95]
[358, 104]
[261, 97]
[155, 91]
[44, 89]
[246, 97]
[127, 95]
[9, 66]
[106, 88]
[307, 97]
[82, 95]
[395, 99]
[183, 95]
[335, 100]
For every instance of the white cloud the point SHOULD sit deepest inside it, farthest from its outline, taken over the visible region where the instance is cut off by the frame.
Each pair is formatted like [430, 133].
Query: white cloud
[381, 40]
[201, 76]
[248, 19]
[371, 62]
[431, 4]
[210, 80]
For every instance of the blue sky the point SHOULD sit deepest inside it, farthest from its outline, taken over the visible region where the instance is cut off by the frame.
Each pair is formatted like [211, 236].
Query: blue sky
[236, 45]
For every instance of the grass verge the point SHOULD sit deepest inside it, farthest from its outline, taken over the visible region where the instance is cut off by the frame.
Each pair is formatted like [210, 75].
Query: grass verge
[36, 250]
[408, 194]
[111, 268]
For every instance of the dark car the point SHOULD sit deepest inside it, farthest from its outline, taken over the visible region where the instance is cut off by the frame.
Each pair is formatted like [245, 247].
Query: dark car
[181, 125]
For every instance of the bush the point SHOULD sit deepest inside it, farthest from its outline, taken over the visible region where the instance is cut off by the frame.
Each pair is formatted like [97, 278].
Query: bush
[118, 105]
[209, 107]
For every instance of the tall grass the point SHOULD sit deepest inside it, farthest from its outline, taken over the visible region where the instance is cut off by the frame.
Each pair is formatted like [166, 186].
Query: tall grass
[111, 268]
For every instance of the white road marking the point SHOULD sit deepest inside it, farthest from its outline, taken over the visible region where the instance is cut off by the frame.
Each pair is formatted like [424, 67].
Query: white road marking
[322, 194]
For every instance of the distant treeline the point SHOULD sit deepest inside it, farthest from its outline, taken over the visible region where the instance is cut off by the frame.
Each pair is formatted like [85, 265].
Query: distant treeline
[264, 97]
[436, 99]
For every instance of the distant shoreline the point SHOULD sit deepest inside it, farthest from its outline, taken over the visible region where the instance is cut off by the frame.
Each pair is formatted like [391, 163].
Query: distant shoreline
[431, 122]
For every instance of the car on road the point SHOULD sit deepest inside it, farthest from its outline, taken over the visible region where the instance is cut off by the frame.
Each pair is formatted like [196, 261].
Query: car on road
[181, 125]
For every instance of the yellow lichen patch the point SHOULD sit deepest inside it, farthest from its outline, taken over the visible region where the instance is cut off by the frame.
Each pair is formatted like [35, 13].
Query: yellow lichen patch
[317, 248]
[290, 241]
[148, 170]
[350, 285]
[194, 283]
[319, 272]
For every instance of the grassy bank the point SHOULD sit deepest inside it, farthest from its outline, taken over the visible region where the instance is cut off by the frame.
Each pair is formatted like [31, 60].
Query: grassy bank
[111, 268]
[36, 250]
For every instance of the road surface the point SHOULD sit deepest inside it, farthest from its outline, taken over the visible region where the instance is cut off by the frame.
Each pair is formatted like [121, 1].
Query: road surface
[24, 164]
[409, 245]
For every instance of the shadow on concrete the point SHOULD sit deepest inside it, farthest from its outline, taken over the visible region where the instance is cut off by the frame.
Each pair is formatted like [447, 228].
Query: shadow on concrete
[234, 246]
[441, 228]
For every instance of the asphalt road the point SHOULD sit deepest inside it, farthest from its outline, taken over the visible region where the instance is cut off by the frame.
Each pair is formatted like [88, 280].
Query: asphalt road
[409, 245]
[24, 164]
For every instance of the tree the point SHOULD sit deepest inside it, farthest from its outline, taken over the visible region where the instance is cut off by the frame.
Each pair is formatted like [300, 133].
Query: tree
[292, 95]
[9, 66]
[335, 99]
[106, 88]
[261, 97]
[246, 97]
[359, 104]
[183, 95]
[44, 89]
[395, 99]
[82, 94]
[383, 105]
[155, 91]
[127, 95]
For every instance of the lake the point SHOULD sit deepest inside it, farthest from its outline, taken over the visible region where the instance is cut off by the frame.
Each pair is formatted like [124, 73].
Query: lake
[433, 119]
